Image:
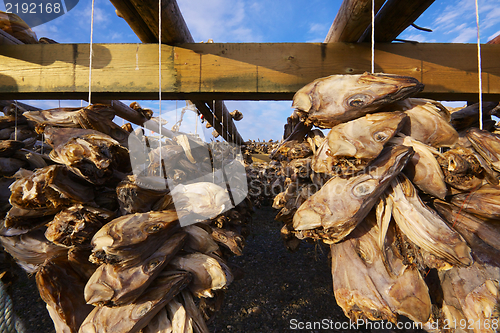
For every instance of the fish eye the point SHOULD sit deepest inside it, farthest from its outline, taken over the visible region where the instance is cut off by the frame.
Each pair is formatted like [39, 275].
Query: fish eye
[380, 136]
[358, 100]
[154, 228]
[365, 188]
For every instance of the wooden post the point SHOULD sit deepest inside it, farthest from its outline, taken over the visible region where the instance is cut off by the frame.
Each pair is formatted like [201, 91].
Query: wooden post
[394, 17]
[352, 19]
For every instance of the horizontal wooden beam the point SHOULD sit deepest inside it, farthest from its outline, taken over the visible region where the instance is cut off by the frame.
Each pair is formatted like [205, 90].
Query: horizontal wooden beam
[247, 71]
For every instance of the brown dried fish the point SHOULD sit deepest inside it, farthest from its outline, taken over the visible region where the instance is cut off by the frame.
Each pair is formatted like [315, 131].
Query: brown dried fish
[429, 122]
[461, 168]
[92, 155]
[364, 287]
[230, 239]
[62, 289]
[484, 201]
[208, 273]
[76, 225]
[361, 140]
[114, 285]
[9, 147]
[424, 227]
[132, 317]
[487, 144]
[131, 239]
[140, 194]
[332, 100]
[50, 187]
[423, 169]
[341, 204]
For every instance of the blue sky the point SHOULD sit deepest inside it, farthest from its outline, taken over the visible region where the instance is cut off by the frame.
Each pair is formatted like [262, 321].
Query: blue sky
[264, 21]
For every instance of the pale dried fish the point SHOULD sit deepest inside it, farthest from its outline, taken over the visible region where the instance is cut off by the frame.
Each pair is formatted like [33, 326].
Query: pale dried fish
[116, 285]
[423, 169]
[199, 240]
[130, 239]
[208, 273]
[132, 317]
[332, 100]
[484, 201]
[341, 204]
[487, 144]
[424, 227]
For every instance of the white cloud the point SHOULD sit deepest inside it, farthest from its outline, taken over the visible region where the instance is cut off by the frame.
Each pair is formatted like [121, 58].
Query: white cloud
[466, 35]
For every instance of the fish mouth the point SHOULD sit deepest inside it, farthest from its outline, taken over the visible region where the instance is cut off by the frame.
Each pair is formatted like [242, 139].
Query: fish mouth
[401, 87]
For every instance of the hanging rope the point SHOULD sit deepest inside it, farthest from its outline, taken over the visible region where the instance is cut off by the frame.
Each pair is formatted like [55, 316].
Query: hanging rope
[373, 37]
[15, 121]
[91, 55]
[159, 84]
[480, 80]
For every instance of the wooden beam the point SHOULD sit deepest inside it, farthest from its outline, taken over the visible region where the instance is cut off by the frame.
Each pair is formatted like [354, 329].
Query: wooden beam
[352, 19]
[394, 17]
[247, 71]
[143, 15]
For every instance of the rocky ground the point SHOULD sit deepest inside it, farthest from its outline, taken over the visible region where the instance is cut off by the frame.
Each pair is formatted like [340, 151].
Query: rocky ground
[279, 292]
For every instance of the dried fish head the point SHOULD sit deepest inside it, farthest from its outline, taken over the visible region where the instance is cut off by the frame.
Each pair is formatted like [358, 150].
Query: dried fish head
[341, 204]
[132, 238]
[209, 273]
[90, 154]
[62, 289]
[76, 225]
[335, 99]
[461, 169]
[484, 201]
[132, 317]
[50, 187]
[429, 122]
[423, 169]
[424, 227]
[487, 144]
[138, 194]
[116, 285]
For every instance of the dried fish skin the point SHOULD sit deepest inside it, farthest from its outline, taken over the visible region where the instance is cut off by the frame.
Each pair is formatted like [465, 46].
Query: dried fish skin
[484, 201]
[179, 317]
[208, 273]
[205, 199]
[76, 225]
[62, 289]
[364, 138]
[50, 187]
[487, 144]
[130, 239]
[133, 317]
[199, 240]
[193, 312]
[461, 168]
[482, 236]
[160, 323]
[424, 227]
[341, 204]
[30, 250]
[423, 168]
[90, 154]
[335, 99]
[137, 194]
[472, 293]
[229, 239]
[115, 285]
[382, 293]
[429, 122]
[9, 166]
[9, 147]
[20, 221]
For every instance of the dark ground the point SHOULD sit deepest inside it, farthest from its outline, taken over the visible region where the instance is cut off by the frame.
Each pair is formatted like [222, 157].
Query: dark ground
[278, 287]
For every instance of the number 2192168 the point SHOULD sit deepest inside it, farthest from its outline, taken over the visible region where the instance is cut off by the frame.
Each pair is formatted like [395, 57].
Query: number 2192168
[33, 8]
[471, 324]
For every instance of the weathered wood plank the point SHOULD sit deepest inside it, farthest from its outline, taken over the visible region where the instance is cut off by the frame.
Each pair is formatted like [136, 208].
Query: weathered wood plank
[235, 71]
[352, 19]
[394, 17]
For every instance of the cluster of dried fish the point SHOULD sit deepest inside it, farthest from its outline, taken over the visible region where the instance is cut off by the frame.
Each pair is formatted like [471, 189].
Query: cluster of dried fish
[405, 194]
[114, 246]
[264, 176]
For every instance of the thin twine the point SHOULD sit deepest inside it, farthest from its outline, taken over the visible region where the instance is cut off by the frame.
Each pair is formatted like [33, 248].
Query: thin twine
[15, 121]
[479, 69]
[90, 56]
[159, 82]
[373, 37]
